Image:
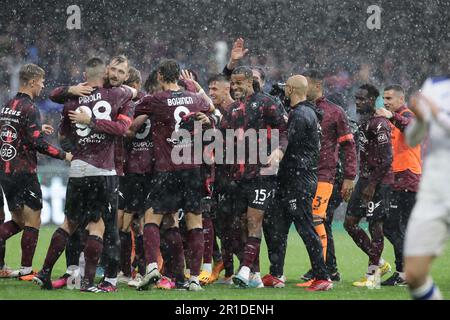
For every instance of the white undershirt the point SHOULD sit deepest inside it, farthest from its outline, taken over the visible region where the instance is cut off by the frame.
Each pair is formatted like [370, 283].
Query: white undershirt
[80, 169]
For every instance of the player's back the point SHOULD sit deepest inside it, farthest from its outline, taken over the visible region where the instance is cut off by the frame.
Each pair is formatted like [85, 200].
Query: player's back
[169, 111]
[91, 146]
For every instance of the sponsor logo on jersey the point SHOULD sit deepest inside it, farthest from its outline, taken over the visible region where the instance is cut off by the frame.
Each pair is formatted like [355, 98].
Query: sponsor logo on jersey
[8, 111]
[7, 152]
[8, 133]
[382, 138]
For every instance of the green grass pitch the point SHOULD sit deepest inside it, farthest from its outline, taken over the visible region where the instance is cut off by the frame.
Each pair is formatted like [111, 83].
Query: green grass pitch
[351, 260]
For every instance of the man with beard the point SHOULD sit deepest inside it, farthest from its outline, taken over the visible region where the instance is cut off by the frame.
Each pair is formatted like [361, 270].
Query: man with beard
[117, 74]
[254, 112]
[91, 124]
[227, 222]
[407, 167]
[176, 184]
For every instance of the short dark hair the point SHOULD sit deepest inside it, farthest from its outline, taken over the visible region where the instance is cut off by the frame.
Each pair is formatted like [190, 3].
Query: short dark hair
[152, 82]
[134, 76]
[246, 71]
[120, 59]
[30, 71]
[372, 91]
[313, 74]
[94, 62]
[261, 72]
[169, 70]
[95, 67]
[220, 77]
[395, 87]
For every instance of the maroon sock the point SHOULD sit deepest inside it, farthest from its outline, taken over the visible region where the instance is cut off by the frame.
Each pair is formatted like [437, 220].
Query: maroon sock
[208, 235]
[151, 243]
[92, 252]
[196, 244]
[251, 251]
[361, 238]
[30, 237]
[176, 254]
[7, 230]
[56, 248]
[377, 243]
[165, 254]
[376, 251]
[237, 243]
[125, 252]
[139, 253]
[227, 257]
[255, 266]
[187, 256]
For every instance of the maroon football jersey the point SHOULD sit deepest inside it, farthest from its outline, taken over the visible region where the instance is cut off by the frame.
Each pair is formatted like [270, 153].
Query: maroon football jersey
[111, 114]
[258, 111]
[376, 150]
[21, 136]
[335, 133]
[166, 111]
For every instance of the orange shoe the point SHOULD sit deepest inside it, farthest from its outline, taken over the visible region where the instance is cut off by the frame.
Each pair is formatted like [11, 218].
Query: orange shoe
[28, 277]
[305, 284]
[217, 269]
[320, 285]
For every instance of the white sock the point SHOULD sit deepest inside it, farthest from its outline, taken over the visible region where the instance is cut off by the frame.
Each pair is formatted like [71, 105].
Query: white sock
[381, 262]
[25, 270]
[207, 267]
[193, 279]
[371, 269]
[428, 291]
[152, 266]
[113, 281]
[188, 272]
[402, 275]
[244, 272]
[256, 275]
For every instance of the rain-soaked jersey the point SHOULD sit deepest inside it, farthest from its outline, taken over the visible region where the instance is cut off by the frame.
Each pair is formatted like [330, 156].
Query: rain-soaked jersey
[258, 111]
[139, 156]
[111, 116]
[21, 136]
[166, 111]
[375, 150]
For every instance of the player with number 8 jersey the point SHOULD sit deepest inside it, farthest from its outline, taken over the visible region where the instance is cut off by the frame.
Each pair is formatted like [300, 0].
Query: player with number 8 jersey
[175, 185]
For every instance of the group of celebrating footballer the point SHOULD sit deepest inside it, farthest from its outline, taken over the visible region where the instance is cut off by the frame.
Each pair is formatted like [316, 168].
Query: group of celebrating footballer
[130, 205]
